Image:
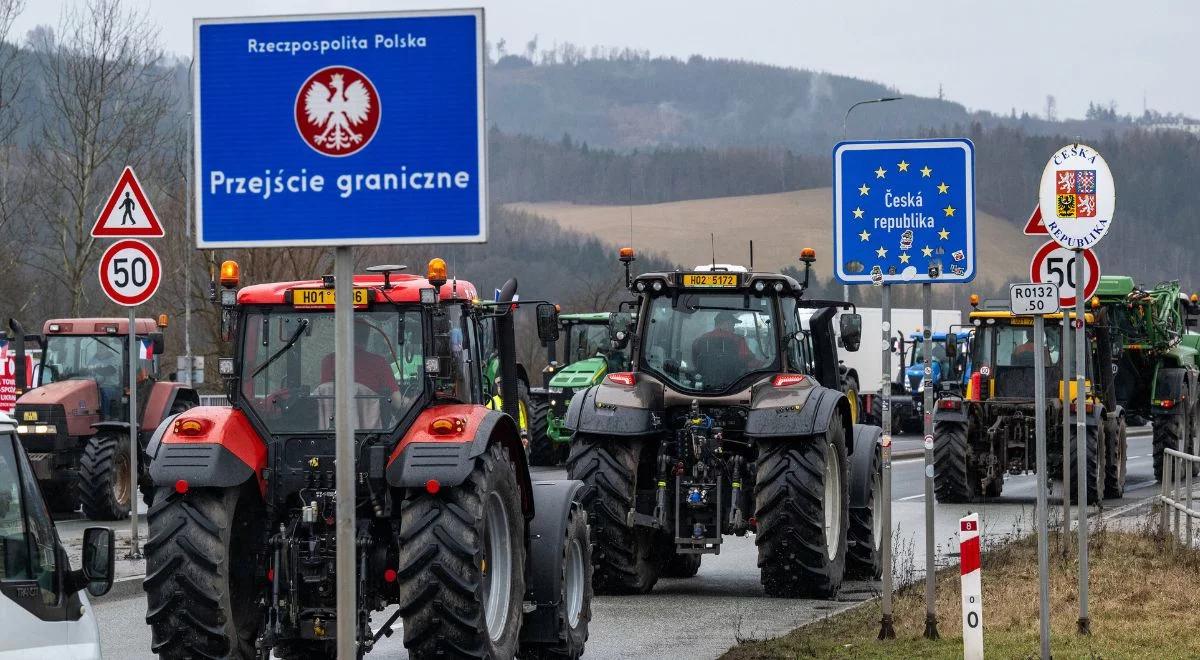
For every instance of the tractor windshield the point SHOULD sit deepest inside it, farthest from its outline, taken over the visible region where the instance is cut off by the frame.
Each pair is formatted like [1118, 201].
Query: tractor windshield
[95, 357]
[288, 367]
[707, 342]
[589, 340]
[1008, 351]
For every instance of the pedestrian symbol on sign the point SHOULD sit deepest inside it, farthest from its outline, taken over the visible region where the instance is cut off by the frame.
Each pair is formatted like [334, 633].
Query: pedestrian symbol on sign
[127, 206]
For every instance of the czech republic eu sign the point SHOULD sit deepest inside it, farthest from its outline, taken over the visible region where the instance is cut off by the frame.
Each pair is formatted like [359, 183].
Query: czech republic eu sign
[351, 129]
[904, 211]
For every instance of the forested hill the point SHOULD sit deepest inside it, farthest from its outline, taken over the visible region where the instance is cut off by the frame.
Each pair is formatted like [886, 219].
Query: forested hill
[627, 100]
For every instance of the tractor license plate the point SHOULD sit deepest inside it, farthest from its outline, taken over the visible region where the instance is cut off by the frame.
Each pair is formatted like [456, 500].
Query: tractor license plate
[1022, 320]
[312, 298]
[711, 280]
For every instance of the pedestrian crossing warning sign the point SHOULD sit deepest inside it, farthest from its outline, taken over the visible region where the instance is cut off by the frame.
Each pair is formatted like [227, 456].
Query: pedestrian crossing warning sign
[127, 212]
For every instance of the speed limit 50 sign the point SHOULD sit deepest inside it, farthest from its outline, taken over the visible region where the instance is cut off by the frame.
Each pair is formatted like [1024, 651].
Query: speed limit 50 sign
[130, 272]
[1053, 264]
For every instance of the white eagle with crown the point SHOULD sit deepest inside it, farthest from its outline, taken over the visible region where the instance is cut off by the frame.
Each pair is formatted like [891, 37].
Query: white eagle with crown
[338, 110]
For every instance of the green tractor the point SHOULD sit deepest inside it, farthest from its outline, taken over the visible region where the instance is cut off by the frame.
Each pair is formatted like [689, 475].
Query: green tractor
[1156, 355]
[593, 345]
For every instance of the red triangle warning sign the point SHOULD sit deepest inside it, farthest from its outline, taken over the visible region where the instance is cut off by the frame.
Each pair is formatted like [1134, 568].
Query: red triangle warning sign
[1035, 227]
[127, 212]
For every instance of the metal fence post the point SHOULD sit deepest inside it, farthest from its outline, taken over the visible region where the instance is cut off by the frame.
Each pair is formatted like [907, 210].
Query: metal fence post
[1162, 502]
[1169, 463]
[1187, 498]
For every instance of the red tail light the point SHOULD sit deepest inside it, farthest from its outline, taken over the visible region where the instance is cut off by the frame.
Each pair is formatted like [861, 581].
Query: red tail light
[433, 486]
[949, 404]
[181, 486]
[623, 378]
[1167, 404]
[389, 575]
[787, 380]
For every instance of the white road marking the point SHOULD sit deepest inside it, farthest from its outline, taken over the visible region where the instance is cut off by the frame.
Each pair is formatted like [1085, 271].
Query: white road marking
[1142, 485]
[911, 497]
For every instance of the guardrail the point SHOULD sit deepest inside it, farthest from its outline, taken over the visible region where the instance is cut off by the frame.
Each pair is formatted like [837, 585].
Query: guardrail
[1176, 496]
[214, 400]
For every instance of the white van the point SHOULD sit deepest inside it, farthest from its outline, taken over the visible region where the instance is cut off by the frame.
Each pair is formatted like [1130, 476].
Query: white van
[44, 612]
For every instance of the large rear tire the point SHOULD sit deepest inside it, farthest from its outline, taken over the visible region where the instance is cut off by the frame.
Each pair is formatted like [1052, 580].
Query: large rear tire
[1169, 430]
[953, 479]
[624, 556]
[802, 507]
[676, 565]
[1093, 442]
[864, 561]
[104, 477]
[61, 496]
[543, 451]
[461, 570]
[1116, 450]
[203, 572]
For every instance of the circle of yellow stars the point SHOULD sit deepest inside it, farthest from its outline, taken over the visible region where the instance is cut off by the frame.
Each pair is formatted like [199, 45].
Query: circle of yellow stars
[926, 172]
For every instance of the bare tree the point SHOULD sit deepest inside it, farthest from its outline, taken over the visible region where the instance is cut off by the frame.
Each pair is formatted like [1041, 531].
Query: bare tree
[13, 188]
[107, 101]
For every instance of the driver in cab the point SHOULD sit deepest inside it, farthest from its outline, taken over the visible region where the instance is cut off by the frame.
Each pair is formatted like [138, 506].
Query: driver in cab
[722, 339]
[371, 370]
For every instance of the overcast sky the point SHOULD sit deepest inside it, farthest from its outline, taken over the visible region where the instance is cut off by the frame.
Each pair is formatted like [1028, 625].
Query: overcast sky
[993, 55]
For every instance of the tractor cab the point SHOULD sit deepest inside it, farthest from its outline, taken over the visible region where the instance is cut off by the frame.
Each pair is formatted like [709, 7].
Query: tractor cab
[945, 367]
[1002, 352]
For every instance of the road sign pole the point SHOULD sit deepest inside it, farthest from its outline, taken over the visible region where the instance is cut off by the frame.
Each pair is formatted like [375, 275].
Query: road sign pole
[345, 421]
[135, 551]
[1065, 386]
[1081, 444]
[931, 631]
[886, 629]
[1043, 523]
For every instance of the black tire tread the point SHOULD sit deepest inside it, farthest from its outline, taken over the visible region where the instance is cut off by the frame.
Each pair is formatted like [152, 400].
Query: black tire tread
[1168, 432]
[952, 479]
[438, 577]
[543, 451]
[96, 473]
[863, 560]
[1095, 478]
[571, 641]
[188, 587]
[789, 508]
[624, 557]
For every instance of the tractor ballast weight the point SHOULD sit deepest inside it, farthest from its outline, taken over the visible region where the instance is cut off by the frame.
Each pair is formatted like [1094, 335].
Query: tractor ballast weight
[730, 421]
[244, 495]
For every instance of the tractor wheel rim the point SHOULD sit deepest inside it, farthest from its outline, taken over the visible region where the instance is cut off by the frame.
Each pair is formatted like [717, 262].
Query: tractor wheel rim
[833, 501]
[852, 397]
[876, 519]
[575, 576]
[497, 569]
[120, 485]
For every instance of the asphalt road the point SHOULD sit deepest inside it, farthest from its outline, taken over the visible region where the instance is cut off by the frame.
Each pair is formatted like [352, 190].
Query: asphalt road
[703, 616]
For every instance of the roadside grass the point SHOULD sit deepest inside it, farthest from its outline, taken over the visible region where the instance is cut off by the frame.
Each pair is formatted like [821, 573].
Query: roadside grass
[1141, 605]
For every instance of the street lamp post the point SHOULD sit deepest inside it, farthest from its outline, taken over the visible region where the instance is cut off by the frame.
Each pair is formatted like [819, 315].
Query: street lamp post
[845, 118]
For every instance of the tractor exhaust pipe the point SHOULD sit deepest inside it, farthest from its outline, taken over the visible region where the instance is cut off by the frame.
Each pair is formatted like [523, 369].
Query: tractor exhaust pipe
[506, 339]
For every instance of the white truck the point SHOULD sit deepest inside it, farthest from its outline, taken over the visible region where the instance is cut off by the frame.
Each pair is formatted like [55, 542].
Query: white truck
[44, 608]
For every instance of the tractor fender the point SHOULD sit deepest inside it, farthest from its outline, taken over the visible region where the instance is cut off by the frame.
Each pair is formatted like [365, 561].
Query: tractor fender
[421, 456]
[554, 500]
[866, 448]
[163, 396]
[226, 451]
[807, 419]
[957, 415]
[614, 410]
[1169, 384]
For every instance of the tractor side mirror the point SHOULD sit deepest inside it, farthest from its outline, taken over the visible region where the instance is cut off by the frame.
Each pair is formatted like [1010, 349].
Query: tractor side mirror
[159, 341]
[850, 327]
[547, 322]
[898, 345]
[951, 345]
[619, 325]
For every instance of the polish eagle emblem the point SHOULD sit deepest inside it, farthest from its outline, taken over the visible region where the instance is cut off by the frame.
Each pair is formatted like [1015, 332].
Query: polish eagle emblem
[337, 111]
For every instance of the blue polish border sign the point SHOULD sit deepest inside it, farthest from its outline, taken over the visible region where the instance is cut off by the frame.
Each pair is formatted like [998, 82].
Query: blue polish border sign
[901, 208]
[333, 130]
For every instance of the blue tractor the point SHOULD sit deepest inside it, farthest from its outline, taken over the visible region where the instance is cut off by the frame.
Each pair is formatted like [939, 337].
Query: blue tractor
[907, 388]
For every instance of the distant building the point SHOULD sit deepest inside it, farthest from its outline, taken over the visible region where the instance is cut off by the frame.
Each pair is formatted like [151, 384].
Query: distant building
[1181, 124]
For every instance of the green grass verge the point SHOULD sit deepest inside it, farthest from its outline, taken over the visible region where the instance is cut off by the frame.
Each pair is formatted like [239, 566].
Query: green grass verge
[1143, 604]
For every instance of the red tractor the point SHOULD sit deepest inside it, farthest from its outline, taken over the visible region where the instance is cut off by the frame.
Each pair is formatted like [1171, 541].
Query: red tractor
[74, 423]
[479, 560]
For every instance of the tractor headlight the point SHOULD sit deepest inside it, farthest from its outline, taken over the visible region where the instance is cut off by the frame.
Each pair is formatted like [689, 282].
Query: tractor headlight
[428, 296]
[225, 366]
[760, 286]
[658, 286]
[640, 286]
[779, 287]
[228, 297]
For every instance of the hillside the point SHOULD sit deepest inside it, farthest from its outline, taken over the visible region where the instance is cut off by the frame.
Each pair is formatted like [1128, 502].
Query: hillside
[780, 225]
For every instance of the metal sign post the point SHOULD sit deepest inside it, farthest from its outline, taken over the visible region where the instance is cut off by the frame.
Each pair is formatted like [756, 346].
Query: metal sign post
[135, 551]
[931, 631]
[1065, 385]
[886, 628]
[345, 416]
[1039, 300]
[1081, 443]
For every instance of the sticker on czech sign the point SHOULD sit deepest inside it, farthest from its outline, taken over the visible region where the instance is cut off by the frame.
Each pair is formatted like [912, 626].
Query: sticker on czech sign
[1033, 298]
[1077, 197]
[929, 442]
[127, 212]
[1055, 264]
[130, 272]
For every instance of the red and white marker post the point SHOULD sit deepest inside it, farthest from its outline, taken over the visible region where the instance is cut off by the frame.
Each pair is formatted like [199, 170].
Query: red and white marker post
[972, 588]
